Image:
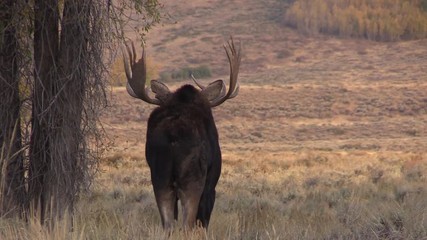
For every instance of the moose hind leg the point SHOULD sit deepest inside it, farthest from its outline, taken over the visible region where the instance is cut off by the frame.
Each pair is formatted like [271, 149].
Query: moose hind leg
[206, 205]
[166, 202]
[190, 198]
[176, 210]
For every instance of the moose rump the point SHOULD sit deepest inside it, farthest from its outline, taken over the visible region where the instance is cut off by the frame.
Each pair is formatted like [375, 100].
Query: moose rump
[184, 157]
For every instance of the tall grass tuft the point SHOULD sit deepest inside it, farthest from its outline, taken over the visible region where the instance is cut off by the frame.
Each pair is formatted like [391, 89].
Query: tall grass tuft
[379, 20]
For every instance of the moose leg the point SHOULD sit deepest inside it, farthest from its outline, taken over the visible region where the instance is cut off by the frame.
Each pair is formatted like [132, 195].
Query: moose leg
[190, 197]
[176, 210]
[206, 205]
[166, 202]
[207, 200]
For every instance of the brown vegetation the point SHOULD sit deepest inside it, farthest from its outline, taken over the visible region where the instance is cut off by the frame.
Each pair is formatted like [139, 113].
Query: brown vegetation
[56, 51]
[382, 20]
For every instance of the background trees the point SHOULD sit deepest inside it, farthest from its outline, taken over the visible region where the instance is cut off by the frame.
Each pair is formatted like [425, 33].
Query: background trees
[380, 20]
[53, 68]
[12, 169]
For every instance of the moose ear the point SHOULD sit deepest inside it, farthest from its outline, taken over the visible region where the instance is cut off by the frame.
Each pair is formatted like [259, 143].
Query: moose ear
[160, 89]
[214, 90]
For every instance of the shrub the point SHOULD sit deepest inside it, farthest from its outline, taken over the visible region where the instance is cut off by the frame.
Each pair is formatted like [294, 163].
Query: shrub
[380, 20]
[185, 73]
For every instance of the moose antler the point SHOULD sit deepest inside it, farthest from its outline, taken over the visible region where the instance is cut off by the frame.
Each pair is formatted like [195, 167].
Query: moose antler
[136, 75]
[197, 82]
[234, 59]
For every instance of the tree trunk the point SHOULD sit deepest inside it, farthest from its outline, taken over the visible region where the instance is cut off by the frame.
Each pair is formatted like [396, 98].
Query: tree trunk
[12, 197]
[44, 99]
[68, 174]
[57, 161]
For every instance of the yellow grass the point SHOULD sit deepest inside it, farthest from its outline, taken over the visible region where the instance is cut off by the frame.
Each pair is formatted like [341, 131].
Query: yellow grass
[326, 143]
[383, 20]
[264, 195]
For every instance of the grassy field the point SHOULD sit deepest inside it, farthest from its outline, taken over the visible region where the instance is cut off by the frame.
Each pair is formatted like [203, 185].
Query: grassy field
[327, 138]
[302, 160]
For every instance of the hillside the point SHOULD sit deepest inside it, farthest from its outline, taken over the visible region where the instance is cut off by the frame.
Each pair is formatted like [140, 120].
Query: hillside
[195, 32]
[192, 34]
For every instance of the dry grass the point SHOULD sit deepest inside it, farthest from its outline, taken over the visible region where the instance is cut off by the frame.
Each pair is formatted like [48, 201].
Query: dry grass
[381, 20]
[296, 166]
[264, 195]
[328, 142]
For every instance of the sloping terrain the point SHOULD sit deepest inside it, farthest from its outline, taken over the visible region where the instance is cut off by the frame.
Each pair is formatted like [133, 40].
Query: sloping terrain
[192, 33]
[297, 91]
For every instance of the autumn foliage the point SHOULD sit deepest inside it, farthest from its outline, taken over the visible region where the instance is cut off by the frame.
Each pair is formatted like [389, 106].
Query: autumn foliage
[379, 20]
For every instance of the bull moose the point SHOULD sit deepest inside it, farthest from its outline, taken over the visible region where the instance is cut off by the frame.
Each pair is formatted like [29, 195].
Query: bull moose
[182, 148]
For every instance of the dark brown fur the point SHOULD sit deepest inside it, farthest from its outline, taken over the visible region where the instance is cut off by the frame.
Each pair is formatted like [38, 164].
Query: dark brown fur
[184, 157]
